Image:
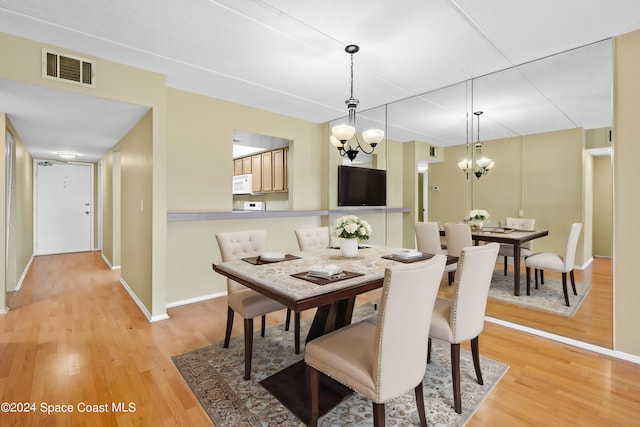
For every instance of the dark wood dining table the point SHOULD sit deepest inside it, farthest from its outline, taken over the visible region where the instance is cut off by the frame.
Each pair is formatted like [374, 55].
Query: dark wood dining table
[511, 237]
[334, 299]
[287, 283]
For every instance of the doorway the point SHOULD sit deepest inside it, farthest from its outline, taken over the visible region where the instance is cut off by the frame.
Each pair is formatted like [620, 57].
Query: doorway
[63, 207]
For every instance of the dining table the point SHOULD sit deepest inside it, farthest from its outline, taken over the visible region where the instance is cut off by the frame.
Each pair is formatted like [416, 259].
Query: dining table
[288, 282]
[509, 236]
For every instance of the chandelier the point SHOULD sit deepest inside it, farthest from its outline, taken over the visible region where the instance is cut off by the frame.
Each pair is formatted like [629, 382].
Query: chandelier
[483, 164]
[343, 135]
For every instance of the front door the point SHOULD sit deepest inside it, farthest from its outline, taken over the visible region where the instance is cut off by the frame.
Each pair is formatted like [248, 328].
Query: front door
[64, 214]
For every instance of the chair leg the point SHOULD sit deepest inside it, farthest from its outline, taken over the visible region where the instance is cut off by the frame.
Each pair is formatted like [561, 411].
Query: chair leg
[528, 280]
[564, 289]
[296, 331]
[227, 335]
[263, 325]
[313, 384]
[420, 404]
[248, 347]
[536, 274]
[378, 415]
[505, 265]
[451, 277]
[475, 352]
[288, 321]
[542, 277]
[429, 350]
[455, 374]
[573, 282]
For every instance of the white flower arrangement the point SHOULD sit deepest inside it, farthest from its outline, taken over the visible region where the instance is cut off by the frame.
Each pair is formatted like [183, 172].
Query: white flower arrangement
[479, 214]
[352, 227]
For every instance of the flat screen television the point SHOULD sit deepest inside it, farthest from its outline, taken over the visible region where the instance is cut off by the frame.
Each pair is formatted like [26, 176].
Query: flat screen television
[361, 186]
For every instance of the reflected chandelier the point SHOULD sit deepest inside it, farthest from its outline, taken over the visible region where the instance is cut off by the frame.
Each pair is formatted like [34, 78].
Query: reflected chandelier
[341, 135]
[484, 164]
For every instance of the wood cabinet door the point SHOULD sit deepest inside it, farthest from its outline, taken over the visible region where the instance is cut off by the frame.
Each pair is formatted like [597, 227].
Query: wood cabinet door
[278, 170]
[256, 171]
[246, 165]
[267, 171]
[237, 167]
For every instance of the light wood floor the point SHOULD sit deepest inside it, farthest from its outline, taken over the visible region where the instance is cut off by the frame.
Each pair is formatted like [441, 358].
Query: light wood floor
[74, 335]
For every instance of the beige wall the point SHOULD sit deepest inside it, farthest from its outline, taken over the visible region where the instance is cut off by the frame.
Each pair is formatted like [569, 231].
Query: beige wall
[127, 84]
[541, 174]
[626, 234]
[602, 206]
[136, 199]
[20, 238]
[200, 134]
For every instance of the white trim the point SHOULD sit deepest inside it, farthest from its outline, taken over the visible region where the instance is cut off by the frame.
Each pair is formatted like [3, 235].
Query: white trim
[24, 274]
[5, 310]
[140, 305]
[194, 300]
[106, 261]
[569, 341]
[585, 265]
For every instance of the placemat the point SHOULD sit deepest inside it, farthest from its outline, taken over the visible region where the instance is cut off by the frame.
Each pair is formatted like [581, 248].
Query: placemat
[408, 260]
[255, 260]
[344, 275]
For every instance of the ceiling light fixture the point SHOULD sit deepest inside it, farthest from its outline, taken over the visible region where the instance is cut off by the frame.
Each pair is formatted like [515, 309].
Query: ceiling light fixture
[342, 134]
[67, 154]
[484, 164]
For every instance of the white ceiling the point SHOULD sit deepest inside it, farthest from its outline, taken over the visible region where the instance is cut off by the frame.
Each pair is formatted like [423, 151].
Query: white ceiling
[288, 56]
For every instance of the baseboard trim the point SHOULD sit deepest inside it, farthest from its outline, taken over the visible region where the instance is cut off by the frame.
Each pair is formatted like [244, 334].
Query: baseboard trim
[194, 300]
[140, 305]
[569, 341]
[24, 274]
[106, 261]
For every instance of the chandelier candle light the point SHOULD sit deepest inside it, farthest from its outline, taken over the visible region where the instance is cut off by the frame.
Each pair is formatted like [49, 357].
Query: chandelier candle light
[343, 133]
[484, 164]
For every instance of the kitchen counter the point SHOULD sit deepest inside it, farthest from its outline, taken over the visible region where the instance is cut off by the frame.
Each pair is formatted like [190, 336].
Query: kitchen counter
[213, 216]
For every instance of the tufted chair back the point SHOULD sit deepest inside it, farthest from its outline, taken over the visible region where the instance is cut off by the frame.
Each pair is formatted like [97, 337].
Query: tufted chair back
[240, 244]
[312, 238]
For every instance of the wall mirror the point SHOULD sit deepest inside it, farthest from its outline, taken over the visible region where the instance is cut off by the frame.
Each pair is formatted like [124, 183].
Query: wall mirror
[571, 90]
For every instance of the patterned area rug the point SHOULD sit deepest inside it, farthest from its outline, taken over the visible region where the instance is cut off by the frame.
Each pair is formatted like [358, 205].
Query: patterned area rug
[547, 297]
[214, 374]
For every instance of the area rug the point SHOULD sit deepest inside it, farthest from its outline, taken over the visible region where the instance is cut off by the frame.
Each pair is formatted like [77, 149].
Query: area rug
[215, 375]
[548, 297]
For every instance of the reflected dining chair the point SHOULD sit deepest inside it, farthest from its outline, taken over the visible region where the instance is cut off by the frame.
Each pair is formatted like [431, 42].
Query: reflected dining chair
[526, 249]
[458, 236]
[308, 239]
[462, 318]
[384, 359]
[554, 262]
[240, 299]
[428, 241]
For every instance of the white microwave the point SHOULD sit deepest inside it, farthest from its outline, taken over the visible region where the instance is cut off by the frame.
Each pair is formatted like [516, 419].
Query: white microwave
[243, 184]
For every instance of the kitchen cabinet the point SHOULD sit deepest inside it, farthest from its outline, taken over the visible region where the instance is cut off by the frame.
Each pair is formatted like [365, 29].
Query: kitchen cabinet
[237, 167]
[269, 170]
[246, 165]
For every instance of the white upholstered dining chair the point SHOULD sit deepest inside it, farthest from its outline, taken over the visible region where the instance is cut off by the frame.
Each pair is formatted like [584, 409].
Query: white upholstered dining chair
[428, 241]
[240, 299]
[384, 359]
[526, 249]
[561, 263]
[458, 236]
[462, 318]
[308, 239]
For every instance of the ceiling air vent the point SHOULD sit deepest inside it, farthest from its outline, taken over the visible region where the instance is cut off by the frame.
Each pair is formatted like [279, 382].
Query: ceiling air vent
[71, 69]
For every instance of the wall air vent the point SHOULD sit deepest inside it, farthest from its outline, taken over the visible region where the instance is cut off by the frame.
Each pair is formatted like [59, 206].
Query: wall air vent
[71, 69]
